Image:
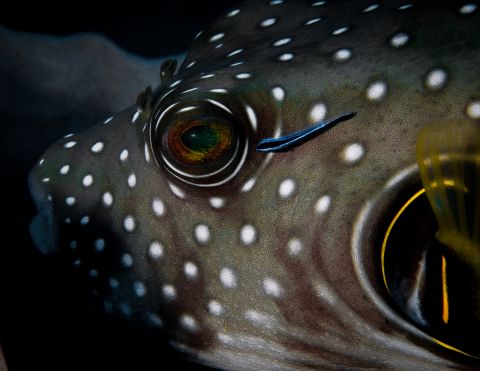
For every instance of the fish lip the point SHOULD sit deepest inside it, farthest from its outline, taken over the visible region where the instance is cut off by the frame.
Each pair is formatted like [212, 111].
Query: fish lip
[42, 228]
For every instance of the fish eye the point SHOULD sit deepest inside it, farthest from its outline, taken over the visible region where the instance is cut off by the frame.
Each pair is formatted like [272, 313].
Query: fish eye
[199, 142]
[202, 142]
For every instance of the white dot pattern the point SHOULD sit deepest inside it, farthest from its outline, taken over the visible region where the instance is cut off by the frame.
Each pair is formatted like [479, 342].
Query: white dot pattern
[323, 204]
[248, 234]
[228, 278]
[286, 188]
[202, 234]
[155, 250]
[97, 147]
[353, 153]
[129, 223]
[473, 110]
[377, 91]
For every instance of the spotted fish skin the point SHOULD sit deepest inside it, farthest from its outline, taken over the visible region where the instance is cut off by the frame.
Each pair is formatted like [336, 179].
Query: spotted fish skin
[269, 263]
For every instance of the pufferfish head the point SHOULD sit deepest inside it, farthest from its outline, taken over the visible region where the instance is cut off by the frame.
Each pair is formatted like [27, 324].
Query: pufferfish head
[172, 219]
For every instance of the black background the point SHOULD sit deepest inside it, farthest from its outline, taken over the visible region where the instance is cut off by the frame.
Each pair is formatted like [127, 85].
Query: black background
[44, 324]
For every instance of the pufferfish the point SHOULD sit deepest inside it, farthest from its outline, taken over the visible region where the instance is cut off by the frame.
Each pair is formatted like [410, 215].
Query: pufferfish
[174, 218]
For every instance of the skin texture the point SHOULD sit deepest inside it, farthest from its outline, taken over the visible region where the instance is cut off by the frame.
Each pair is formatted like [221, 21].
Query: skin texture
[281, 272]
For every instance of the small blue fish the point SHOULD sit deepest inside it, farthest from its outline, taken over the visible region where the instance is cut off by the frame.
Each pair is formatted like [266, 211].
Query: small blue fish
[174, 217]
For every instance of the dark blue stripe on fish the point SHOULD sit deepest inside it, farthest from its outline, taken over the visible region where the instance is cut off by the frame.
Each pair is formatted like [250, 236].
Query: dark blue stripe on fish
[289, 141]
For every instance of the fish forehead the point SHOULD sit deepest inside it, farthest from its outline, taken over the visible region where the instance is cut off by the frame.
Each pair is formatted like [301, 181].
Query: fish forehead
[257, 268]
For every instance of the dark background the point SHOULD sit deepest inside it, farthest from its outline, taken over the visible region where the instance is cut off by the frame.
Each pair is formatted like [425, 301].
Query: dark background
[44, 323]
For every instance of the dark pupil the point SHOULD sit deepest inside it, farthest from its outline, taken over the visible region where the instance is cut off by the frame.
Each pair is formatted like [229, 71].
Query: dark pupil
[200, 138]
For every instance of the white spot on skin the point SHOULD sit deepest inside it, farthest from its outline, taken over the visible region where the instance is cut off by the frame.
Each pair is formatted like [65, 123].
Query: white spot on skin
[268, 22]
[249, 184]
[272, 287]
[113, 283]
[216, 202]
[108, 120]
[370, 8]
[340, 31]
[399, 39]
[202, 234]
[473, 110]
[135, 116]
[175, 83]
[216, 37]
[176, 191]
[191, 64]
[97, 147]
[276, 2]
[85, 220]
[188, 323]
[210, 75]
[215, 308]
[294, 246]
[124, 155]
[468, 8]
[147, 153]
[158, 207]
[70, 201]
[286, 188]
[190, 269]
[218, 46]
[87, 180]
[377, 91]
[68, 221]
[99, 244]
[155, 250]
[252, 117]
[342, 55]
[70, 144]
[248, 234]
[129, 223]
[107, 199]
[235, 52]
[169, 292]
[126, 260]
[278, 93]
[313, 21]
[243, 76]
[93, 273]
[64, 169]
[139, 289]
[436, 79]
[40, 163]
[69, 135]
[353, 153]
[45, 180]
[233, 13]
[285, 57]
[318, 113]
[403, 7]
[155, 320]
[228, 278]
[281, 42]
[319, 3]
[322, 205]
[220, 91]
[259, 318]
[236, 64]
[132, 180]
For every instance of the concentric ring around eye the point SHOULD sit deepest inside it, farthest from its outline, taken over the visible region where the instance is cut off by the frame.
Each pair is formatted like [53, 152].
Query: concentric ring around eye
[198, 141]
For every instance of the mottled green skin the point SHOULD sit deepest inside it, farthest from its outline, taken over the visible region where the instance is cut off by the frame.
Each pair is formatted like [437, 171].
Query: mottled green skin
[325, 312]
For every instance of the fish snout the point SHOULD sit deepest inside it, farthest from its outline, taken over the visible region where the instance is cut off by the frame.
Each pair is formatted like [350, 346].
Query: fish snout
[43, 228]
